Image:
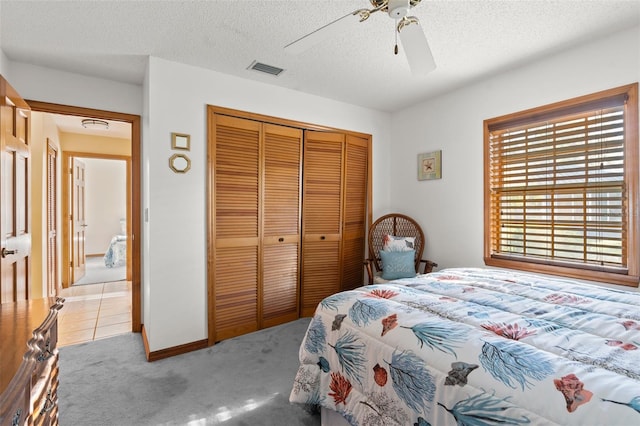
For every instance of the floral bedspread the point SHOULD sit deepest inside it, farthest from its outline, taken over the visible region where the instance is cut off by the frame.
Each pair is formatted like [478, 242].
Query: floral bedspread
[471, 346]
[116, 254]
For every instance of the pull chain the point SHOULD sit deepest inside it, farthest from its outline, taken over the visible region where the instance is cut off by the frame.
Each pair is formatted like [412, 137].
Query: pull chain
[395, 50]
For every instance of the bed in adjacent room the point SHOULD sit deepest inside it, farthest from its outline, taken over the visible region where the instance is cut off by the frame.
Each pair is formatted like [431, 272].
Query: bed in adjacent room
[473, 346]
[116, 254]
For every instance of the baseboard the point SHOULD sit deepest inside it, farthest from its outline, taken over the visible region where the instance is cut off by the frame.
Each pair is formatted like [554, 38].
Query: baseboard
[145, 342]
[173, 351]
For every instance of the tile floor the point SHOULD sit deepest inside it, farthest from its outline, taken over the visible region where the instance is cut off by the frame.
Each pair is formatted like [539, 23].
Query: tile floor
[94, 311]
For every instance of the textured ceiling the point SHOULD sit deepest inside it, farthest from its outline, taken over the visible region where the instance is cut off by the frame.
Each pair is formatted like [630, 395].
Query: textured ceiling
[469, 40]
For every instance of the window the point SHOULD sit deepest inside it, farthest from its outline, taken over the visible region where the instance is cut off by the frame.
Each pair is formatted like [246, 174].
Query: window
[561, 188]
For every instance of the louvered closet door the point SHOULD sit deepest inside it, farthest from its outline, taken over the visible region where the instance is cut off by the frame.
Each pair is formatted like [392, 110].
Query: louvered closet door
[355, 209]
[281, 223]
[236, 226]
[321, 216]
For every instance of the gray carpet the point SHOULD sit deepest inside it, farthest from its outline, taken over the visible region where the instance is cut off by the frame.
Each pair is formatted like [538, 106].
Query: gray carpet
[96, 272]
[241, 381]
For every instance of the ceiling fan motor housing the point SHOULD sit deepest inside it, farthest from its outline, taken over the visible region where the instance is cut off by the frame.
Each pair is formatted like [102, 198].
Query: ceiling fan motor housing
[398, 8]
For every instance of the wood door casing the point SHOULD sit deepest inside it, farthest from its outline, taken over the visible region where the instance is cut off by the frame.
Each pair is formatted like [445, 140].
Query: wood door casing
[77, 220]
[15, 204]
[134, 197]
[321, 213]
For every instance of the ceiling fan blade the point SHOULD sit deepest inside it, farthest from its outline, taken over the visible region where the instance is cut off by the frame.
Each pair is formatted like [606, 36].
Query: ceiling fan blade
[321, 34]
[416, 47]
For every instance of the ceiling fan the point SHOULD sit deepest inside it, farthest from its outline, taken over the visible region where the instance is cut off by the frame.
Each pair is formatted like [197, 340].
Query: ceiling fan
[412, 37]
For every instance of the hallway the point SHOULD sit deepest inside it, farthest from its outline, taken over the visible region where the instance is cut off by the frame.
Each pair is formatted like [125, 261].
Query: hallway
[94, 311]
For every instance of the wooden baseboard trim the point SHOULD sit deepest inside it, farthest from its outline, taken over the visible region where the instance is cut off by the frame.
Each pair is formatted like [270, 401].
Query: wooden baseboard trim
[145, 342]
[173, 351]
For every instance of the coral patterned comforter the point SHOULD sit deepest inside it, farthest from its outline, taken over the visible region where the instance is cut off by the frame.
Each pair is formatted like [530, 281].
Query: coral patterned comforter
[475, 347]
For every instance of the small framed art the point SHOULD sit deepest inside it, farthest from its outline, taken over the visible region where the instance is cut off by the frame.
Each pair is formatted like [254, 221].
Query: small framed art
[430, 165]
[179, 163]
[180, 141]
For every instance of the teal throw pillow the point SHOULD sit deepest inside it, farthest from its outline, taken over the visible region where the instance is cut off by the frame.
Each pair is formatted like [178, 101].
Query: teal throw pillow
[398, 264]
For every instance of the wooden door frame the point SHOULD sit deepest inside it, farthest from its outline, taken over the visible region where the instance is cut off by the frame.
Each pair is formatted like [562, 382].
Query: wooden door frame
[134, 226]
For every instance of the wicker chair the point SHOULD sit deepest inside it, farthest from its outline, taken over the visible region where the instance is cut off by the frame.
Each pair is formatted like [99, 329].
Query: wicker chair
[398, 225]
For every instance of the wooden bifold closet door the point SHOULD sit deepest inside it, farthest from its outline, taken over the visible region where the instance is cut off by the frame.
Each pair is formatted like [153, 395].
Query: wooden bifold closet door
[281, 224]
[256, 225]
[333, 216]
[354, 225]
[288, 214]
[323, 154]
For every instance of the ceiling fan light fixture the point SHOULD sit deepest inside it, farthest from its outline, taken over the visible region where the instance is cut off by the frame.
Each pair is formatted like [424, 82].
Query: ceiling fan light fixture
[414, 41]
[416, 47]
[91, 123]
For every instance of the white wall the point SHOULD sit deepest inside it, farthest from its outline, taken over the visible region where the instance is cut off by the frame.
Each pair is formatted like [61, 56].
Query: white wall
[175, 236]
[145, 150]
[3, 58]
[105, 202]
[4, 61]
[61, 87]
[43, 130]
[4, 69]
[451, 209]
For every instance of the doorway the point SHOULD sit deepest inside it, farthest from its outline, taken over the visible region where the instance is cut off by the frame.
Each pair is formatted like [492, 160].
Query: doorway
[96, 208]
[133, 225]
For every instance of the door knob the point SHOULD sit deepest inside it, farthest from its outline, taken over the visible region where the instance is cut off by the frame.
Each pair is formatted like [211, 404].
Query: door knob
[6, 252]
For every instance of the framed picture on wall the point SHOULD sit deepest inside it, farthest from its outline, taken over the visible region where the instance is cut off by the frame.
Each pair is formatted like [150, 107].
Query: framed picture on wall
[430, 165]
[180, 141]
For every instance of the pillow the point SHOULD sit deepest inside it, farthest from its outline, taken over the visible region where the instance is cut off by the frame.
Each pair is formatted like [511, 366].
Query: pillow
[398, 264]
[393, 243]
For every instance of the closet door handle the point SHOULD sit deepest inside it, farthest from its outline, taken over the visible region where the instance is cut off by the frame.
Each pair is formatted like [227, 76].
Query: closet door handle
[322, 237]
[281, 239]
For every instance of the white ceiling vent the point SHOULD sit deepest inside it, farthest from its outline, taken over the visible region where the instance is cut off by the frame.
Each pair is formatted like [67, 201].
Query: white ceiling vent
[267, 69]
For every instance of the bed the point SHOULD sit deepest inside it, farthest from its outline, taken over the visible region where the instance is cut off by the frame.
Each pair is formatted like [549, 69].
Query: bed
[116, 254]
[472, 346]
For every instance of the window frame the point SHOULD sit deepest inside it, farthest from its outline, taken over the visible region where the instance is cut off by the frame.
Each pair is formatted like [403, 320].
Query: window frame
[631, 192]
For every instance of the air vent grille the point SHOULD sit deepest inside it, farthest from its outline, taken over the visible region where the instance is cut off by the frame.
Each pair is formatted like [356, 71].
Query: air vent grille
[264, 68]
